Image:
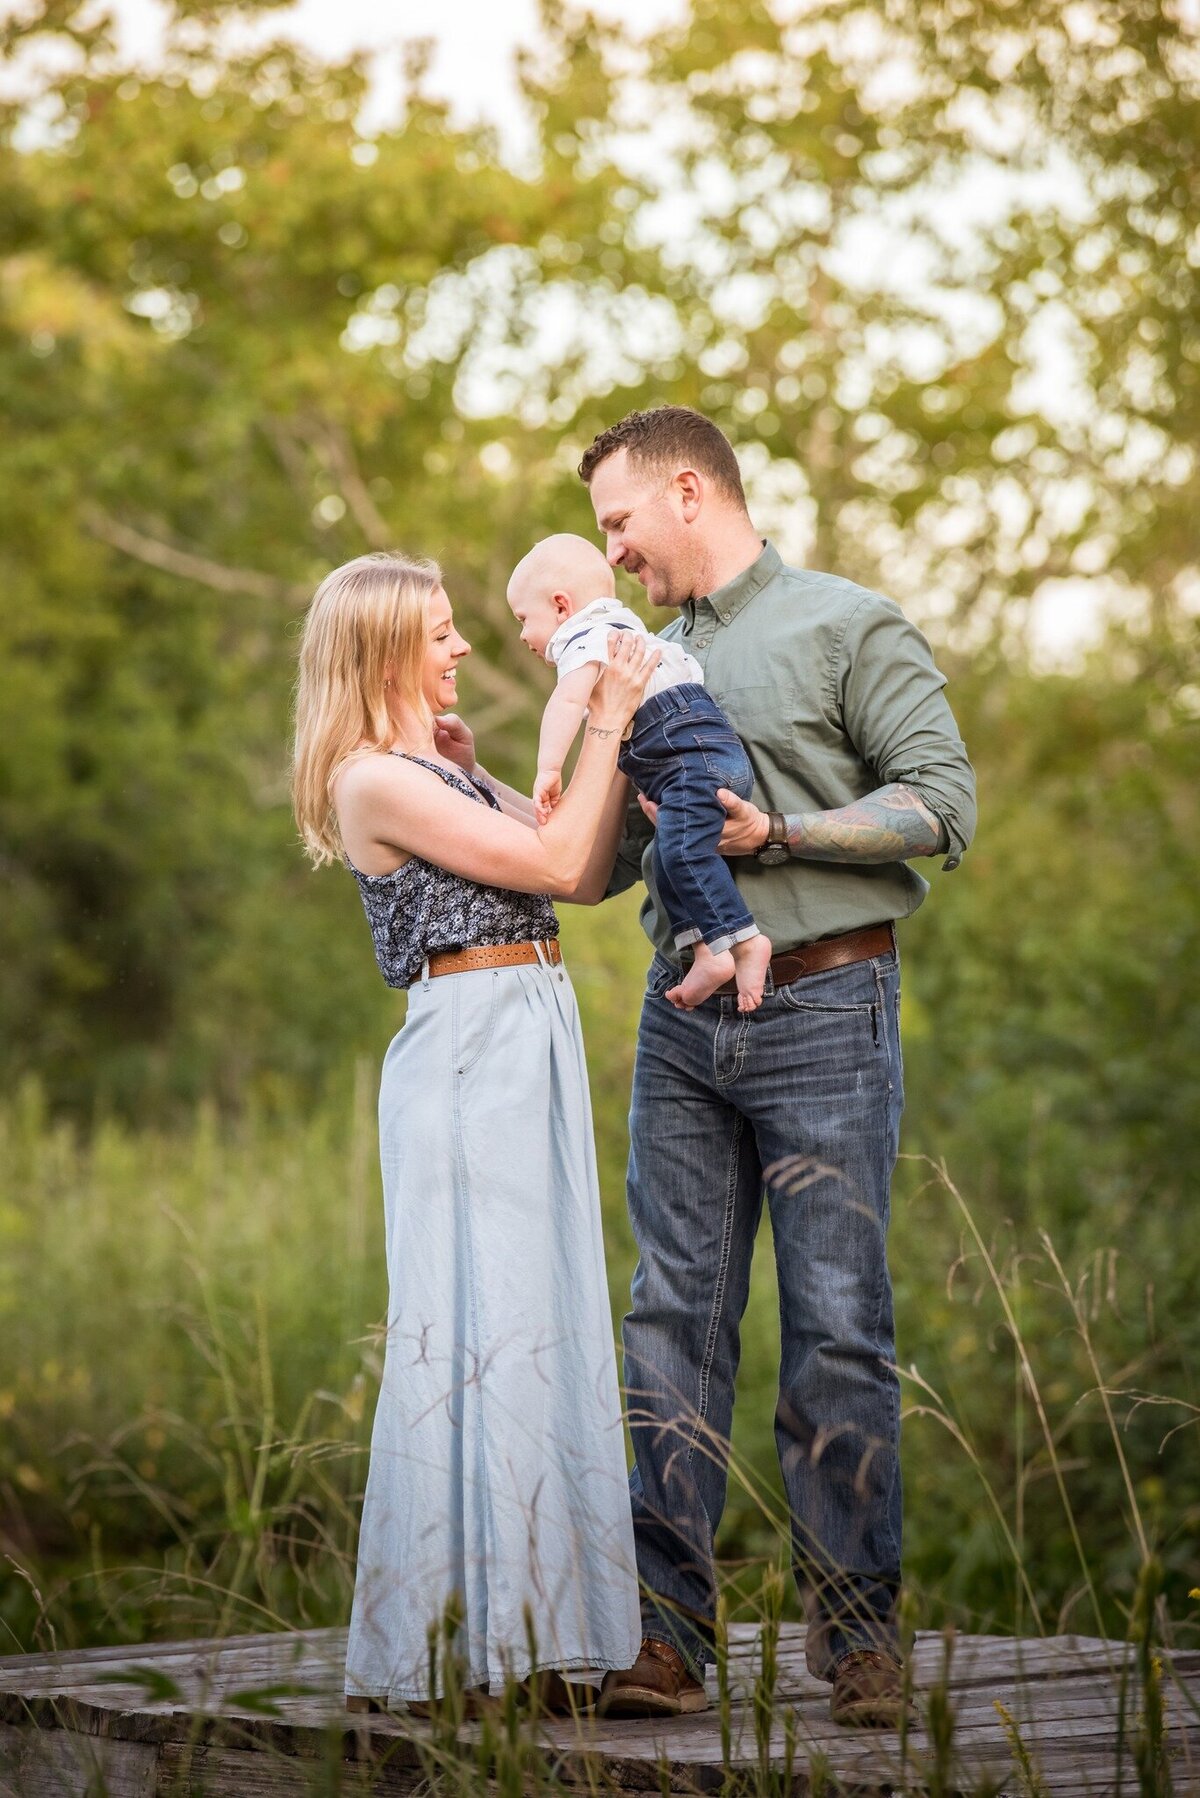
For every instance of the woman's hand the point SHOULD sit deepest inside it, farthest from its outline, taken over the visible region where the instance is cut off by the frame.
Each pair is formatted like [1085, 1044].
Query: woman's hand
[622, 685]
[455, 740]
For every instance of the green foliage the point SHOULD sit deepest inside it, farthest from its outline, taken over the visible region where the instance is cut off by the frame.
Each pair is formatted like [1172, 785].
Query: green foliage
[186, 1409]
[238, 342]
[950, 320]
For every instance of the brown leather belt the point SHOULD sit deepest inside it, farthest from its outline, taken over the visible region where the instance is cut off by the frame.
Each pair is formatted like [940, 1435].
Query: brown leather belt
[494, 955]
[829, 952]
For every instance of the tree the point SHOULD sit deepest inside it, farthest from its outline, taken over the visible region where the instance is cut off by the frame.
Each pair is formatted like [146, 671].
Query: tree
[234, 334]
[240, 343]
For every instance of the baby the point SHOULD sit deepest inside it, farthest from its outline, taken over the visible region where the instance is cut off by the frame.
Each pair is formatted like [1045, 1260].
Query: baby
[680, 749]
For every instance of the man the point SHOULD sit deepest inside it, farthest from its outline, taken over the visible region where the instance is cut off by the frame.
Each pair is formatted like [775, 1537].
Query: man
[858, 768]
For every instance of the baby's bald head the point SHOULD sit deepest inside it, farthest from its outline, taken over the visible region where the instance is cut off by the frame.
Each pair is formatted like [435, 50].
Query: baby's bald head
[562, 564]
[558, 577]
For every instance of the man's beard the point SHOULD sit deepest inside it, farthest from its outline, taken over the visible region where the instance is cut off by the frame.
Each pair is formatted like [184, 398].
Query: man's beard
[669, 593]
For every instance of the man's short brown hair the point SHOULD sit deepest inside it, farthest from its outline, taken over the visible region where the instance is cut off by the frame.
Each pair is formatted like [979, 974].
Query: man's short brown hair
[668, 438]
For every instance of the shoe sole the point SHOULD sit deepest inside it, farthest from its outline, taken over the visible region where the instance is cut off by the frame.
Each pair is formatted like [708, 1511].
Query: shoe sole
[565, 1698]
[644, 1701]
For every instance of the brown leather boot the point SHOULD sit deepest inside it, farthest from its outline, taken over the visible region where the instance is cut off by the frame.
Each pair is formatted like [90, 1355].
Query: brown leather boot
[868, 1691]
[360, 1706]
[474, 1704]
[657, 1685]
[556, 1696]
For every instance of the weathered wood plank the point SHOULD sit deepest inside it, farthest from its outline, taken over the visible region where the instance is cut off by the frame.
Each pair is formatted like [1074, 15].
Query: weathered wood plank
[60, 1764]
[1079, 1773]
[232, 1662]
[245, 1773]
[1064, 1695]
[149, 1651]
[974, 1660]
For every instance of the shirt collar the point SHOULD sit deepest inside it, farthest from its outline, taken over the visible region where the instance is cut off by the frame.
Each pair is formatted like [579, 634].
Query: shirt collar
[730, 599]
[578, 621]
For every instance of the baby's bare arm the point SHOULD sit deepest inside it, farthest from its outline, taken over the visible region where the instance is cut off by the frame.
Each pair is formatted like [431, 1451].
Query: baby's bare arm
[563, 716]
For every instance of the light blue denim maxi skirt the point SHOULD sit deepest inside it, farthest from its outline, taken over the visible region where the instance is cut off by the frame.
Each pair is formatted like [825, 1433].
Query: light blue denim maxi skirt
[497, 1473]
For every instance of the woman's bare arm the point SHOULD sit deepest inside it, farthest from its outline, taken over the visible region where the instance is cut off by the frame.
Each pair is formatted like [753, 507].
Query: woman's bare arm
[389, 808]
[399, 809]
[593, 885]
[517, 805]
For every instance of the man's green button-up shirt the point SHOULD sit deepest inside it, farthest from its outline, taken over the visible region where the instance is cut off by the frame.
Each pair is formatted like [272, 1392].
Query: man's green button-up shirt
[834, 694]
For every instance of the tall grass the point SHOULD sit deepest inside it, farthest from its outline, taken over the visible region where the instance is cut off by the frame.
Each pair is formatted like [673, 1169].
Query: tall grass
[190, 1348]
[190, 1342]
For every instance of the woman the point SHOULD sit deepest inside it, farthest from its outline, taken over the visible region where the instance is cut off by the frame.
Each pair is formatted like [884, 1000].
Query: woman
[497, 1485]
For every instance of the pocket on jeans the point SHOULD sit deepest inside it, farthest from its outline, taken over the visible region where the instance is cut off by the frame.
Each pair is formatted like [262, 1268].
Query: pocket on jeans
[727, 769]
[659, 977]
[792, 999]
[721, 751]
[840, 992]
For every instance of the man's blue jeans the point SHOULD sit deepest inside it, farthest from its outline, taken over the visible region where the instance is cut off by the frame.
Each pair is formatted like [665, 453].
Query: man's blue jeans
[800, 1099]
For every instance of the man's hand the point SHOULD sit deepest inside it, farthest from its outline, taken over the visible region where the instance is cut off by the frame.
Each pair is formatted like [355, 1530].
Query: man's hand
[745, 829]
[455, 740]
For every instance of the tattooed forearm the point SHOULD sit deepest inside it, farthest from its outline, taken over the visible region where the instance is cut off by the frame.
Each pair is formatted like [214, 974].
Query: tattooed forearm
[889, 825]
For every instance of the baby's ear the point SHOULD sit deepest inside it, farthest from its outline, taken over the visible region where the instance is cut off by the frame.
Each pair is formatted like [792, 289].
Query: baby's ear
[562, 604]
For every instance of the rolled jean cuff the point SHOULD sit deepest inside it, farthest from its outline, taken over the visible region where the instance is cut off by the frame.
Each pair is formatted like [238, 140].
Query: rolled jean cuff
[863, 1616]
[717, 945]
[686, 939]
[680, 1633]
[824, 1648]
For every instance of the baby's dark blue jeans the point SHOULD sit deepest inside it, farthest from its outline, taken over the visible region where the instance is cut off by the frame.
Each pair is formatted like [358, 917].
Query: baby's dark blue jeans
[682, 748]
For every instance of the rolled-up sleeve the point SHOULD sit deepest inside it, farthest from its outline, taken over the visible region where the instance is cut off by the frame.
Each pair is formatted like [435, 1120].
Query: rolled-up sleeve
[892, 703]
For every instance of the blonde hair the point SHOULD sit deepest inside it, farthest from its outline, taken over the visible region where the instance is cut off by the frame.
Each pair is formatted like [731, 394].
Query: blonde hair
[367, 626]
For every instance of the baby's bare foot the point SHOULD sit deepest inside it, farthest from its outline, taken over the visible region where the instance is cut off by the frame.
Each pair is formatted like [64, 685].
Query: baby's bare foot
[751, 959]
[702, 979]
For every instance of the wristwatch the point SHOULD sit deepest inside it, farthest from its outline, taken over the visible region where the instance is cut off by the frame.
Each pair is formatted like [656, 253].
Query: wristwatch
[775, 850]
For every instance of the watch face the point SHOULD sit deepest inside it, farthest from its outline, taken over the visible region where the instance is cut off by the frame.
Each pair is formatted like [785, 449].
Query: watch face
[773, 855]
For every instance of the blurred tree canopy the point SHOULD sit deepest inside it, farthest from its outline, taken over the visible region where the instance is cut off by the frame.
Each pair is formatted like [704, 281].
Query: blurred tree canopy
[934, 265]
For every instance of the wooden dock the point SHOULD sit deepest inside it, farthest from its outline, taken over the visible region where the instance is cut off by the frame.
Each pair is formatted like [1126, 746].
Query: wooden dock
[263, 1717]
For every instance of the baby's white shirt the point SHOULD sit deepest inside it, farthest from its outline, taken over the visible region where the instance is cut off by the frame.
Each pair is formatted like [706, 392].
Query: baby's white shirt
[584, 638]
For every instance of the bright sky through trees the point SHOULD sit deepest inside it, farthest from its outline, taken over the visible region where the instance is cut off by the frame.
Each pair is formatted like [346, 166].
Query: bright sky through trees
[474, 42]
[887, 252]
[474, 46]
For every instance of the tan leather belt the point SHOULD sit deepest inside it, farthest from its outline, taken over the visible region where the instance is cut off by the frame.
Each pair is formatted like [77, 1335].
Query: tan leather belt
[830, 952]
[494, 955]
